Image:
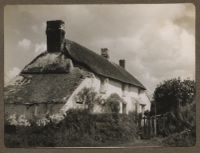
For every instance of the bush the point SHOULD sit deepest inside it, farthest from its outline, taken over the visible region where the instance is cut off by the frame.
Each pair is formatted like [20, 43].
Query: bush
[181, 129]
[112, 103]
[171, 94]
[184, 139]
[88, 97]
[181, 120]
[78, 128]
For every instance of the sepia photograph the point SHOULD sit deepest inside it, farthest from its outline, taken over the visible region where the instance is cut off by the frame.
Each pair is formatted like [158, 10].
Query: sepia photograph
[99, 75]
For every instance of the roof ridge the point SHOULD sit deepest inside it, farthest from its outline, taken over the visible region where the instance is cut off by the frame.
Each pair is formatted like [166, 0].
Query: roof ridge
[96, 62]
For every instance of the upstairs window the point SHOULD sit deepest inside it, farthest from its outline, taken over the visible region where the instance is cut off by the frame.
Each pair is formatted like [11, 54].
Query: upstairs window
[123, 89]
[129, 87]
[103, 85]
[139, 91]
[123, 108]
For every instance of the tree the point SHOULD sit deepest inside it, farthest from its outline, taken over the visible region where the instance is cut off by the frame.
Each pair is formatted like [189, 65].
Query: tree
[171, 94]
[112, 103]
[88, 97]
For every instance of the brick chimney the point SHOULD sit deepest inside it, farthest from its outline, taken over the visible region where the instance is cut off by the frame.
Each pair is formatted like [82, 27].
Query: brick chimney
[55, 36]
[105, 53]
[122, 63]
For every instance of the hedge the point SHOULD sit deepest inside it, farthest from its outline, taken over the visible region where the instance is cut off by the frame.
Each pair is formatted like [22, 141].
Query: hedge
[78, 129]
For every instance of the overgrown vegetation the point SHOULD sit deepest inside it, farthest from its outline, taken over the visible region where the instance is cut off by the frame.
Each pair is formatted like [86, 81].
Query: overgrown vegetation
[112, 103]
[174, 99]
[181, 128]
[88, 98]
[171, 94]
[78, 128]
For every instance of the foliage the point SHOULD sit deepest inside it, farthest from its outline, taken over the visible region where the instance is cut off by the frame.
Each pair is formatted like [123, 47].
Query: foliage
[21, 120]
[185, 118]
[183, 139]
[180, 127]
[147, 113]
[171, 94]
[78, 128]
[175, 100]
[112, 103]
[88, 97]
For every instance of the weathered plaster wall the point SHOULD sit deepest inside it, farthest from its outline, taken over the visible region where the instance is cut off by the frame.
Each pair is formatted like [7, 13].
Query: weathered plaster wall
[130, 94]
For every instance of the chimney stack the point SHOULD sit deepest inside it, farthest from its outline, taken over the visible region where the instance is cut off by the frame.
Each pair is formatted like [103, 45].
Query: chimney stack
[105, 53]
[55, 36]
[122, 63]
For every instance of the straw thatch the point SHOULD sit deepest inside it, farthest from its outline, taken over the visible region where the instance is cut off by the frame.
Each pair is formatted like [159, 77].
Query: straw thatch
[43, 88]
[49, 63]
[52, 77]
[99, 65]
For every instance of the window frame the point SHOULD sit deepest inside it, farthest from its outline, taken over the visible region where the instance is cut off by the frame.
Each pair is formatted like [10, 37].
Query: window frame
[123, 89]
[103, 85]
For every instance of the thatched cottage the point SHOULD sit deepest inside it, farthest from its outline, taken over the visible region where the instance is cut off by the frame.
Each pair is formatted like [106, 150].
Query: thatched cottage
[50, 82]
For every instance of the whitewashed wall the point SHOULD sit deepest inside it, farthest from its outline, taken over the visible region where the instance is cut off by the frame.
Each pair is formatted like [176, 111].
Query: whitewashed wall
[130, 94]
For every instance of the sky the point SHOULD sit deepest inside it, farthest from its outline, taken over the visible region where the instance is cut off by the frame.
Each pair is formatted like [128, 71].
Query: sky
[156, 40]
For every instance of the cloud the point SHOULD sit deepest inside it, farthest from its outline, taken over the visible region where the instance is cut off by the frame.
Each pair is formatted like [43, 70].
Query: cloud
[11, 74]
[34, 28]
[39, 48]
[25, 43]
[157, 40]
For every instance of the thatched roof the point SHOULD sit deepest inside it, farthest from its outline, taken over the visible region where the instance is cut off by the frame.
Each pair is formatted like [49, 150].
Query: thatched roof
[60, 63]
[49, 63]
[43, 88]
[51, 78]
[99, 65]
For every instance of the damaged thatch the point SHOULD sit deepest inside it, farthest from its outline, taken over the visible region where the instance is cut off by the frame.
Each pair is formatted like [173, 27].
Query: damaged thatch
[43, 88]
[60, 62]
[52, 77]
[49, 63]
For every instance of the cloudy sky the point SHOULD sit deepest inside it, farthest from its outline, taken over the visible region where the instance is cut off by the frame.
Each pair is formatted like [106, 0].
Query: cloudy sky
[157, 40]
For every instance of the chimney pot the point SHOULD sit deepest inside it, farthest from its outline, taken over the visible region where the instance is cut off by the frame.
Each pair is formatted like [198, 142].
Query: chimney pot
[105, 53]
[122, 63]
[55, 35]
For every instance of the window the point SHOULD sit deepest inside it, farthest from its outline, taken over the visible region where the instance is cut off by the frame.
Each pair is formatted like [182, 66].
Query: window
[142, 106]
[123, 108]
[139, 91]
[36, 110]
[103, 83]
[79, 102]
[123, 89]
[129, 87]
[136, 107]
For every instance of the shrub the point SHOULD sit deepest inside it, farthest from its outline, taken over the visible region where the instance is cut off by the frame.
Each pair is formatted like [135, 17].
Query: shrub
[183, 139]
[183, 119]
[78, 128]
[171, 94]
[181, 127]
[112, 103]
[21, 120]
[88, 97]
